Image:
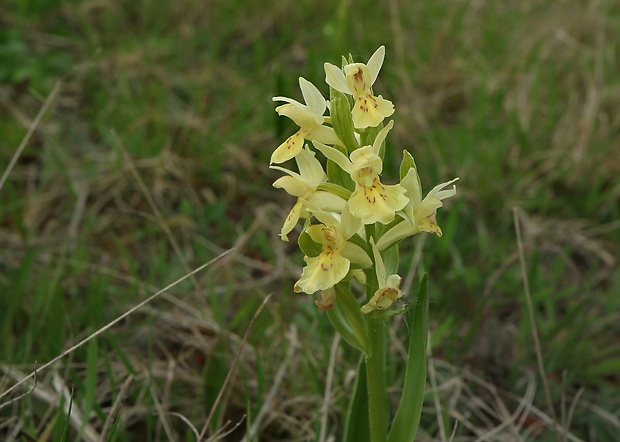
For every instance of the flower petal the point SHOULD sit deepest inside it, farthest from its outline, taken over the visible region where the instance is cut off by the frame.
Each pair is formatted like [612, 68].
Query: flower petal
[382, 299]
[292, 185]
[327, 201]
[375, 62]
[310, 168]
[411, 182]
[381, 136]
[335, 155]
[322, 272]
[335, 78]
[400, 231]
[291, 220]
[350, 224]
[323, 134]
[365, 165]
[312, 96]
[356, 255]
[289, 101]
[379, 265]
[288, 149]
[301, 115]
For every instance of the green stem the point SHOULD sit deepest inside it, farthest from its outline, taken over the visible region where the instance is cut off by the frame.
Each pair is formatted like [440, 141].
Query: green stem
[375, 370]
[375, 366]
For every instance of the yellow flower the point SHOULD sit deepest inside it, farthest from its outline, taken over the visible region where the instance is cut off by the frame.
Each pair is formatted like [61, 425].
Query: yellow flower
[357, 79]
[304, 185]
[333, 263]
[309, 117]
[389, 286]
[419, 214]
[371, 201]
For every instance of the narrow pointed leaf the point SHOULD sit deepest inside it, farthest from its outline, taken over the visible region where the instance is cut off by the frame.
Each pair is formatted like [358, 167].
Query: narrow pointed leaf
[407, 419]
[407, 163]
[357, 423]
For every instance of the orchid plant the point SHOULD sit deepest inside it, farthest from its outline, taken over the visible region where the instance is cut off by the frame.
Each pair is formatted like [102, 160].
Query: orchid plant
[352, 224]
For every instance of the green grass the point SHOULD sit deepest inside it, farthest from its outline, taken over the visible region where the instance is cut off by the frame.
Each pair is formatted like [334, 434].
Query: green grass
[518, 99]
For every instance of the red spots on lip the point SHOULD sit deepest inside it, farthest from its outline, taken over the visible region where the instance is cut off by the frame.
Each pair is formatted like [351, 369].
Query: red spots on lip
[376, 190]
[290, 141]
[364, 105]
[328, 263]
[360, 84]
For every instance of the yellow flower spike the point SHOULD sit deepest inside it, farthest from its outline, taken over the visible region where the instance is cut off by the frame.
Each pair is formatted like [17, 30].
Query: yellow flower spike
[357, 79]
[389, 286]
[304, 185]
[309, 117]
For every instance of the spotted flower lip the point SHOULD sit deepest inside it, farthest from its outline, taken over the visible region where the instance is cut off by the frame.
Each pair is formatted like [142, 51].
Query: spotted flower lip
[333, 263]
[371, 201]
[309, 117]
[357, 79]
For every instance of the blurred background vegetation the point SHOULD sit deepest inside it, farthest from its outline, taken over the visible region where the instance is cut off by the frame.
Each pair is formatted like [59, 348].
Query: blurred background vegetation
[153, 159]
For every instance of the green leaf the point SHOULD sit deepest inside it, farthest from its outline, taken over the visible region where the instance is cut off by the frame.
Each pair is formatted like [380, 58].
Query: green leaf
[340, 113]
[347, 318]
[357, 423]
[368, 136]
[337, 176]
[407, 419]
[407, 163]
[308, 246]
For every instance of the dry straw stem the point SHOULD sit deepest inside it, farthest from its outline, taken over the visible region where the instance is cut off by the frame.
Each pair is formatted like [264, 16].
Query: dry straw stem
[512, 425]
[328, 387]
[269, 399]
[149, 198]
[55, 395]
[107, 327]
[530, 310]
[437, 403]
[233, 368]
[115, 408]
[33, 126]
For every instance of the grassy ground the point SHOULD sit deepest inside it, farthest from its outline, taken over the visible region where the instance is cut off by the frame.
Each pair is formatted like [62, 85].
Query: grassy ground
[152, 160]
